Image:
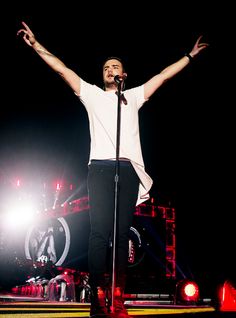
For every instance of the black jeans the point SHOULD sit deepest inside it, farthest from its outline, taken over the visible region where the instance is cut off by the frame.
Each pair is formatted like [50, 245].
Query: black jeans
[101, 190]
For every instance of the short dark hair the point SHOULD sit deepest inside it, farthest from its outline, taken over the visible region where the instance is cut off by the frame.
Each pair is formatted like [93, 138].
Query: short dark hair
[114, 58]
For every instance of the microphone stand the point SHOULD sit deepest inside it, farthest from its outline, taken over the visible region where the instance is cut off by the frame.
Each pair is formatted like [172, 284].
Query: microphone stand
[116, 179]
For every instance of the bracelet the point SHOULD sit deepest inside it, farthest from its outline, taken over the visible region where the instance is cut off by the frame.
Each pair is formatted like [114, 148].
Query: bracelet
[189, 56]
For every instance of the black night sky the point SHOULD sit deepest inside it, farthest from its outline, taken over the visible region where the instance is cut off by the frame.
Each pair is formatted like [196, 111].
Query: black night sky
[186, 126]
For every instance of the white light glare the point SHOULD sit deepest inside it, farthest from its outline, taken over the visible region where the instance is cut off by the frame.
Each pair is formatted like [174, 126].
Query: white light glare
[18, 215]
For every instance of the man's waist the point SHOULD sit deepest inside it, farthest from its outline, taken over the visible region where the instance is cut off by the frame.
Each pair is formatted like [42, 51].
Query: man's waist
[121, 161]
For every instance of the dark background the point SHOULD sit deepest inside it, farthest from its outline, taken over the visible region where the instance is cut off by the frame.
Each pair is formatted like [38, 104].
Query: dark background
[187, 127]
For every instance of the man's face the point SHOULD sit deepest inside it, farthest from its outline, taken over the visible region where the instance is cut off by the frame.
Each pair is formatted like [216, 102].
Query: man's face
[110, 69]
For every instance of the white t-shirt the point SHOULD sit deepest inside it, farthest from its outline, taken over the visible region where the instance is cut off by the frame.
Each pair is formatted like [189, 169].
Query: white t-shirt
[101, 107]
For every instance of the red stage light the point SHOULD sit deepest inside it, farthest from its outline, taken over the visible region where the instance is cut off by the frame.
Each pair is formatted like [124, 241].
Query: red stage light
[187, 292]
[227, 297]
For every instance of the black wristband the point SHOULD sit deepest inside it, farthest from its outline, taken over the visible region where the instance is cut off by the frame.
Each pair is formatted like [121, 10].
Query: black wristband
[189, 56]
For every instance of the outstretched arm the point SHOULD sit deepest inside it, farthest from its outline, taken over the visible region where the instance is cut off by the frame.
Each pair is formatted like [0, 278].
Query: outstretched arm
[69, 76]
[155, 82]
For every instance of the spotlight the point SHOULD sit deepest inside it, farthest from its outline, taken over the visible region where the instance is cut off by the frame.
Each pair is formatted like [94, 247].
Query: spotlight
[187, 292]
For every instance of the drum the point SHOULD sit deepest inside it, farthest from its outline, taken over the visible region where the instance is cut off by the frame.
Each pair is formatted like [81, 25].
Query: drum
[63, 242]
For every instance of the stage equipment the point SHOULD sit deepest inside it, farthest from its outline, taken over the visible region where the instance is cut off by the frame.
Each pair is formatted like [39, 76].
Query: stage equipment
[227, 296]
[187, 292]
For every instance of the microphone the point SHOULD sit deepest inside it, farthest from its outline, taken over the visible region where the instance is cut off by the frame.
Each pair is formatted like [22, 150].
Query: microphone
[119, 78]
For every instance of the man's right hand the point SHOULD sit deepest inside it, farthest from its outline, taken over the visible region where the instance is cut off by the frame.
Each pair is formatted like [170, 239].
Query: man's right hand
[28, 36]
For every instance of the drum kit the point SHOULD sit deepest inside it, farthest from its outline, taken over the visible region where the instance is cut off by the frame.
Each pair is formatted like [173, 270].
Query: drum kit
[64, 240]
[56, 250]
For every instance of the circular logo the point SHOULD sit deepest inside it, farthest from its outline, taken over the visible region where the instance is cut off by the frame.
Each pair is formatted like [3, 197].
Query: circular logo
[48, 241]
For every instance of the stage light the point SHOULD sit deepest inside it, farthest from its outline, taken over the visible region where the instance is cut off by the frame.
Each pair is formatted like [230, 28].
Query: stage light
[187, 292]
[18, 214]
[227, 297]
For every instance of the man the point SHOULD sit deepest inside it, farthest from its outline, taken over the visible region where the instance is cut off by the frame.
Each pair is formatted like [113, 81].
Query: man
[117, 180]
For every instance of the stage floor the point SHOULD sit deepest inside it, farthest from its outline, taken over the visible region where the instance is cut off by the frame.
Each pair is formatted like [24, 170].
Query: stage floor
[13, 307]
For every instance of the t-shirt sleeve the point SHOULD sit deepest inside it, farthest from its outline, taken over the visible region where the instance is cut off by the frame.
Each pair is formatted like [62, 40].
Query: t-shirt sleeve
[139, 93]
